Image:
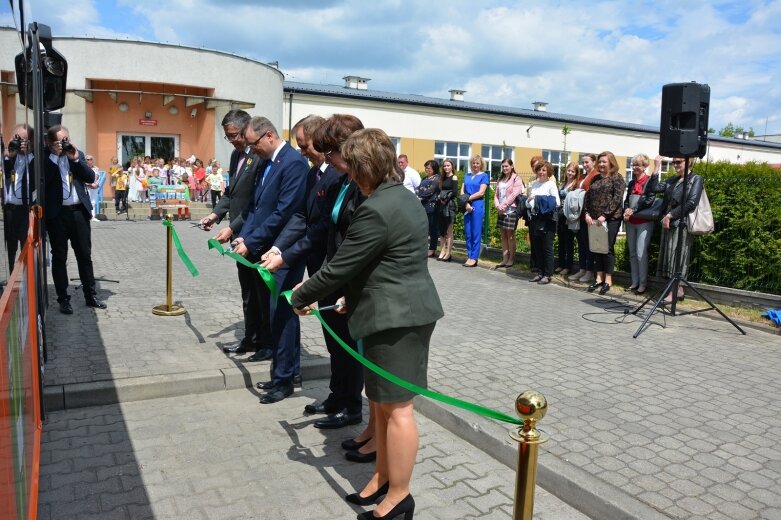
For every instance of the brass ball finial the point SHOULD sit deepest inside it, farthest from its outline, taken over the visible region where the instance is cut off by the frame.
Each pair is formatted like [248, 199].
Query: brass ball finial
[531, 407]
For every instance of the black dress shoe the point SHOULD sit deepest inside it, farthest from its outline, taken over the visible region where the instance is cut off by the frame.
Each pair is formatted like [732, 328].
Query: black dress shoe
[357, 456]
[324, 407]
[277, 394]
[593, 286]
[97, 304]
[357, 499]
[297, 381]
[241, 348]
[406, 507]
[338, 420]
[605, 288]
[263, 354]
[65, 307]
[352, 445]
[264, 385]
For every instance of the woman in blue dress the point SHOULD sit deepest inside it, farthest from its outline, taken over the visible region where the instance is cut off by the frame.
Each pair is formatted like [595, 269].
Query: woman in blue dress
[475, 185]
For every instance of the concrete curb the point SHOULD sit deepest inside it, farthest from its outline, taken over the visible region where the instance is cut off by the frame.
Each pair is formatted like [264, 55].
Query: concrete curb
[589, 495]
[100, 393]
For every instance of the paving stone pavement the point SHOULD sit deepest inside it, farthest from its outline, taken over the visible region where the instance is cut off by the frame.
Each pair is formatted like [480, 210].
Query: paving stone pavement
[225, 456]
[683, 420]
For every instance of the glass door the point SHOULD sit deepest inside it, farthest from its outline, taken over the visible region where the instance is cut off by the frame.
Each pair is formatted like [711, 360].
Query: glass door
[156, 146]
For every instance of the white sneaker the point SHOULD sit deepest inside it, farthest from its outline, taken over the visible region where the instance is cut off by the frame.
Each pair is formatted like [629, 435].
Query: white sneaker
[95, 219]
[588, 277]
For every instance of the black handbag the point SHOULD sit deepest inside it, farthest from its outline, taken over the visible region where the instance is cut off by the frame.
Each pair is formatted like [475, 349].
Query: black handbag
[652, 212]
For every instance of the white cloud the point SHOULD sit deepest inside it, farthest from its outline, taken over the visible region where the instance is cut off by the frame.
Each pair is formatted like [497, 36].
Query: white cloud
[603, 59]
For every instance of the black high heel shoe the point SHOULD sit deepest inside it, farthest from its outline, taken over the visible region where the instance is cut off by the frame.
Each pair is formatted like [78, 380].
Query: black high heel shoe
[357, 499]
[352, 445]
[593, 286]
[405, 507]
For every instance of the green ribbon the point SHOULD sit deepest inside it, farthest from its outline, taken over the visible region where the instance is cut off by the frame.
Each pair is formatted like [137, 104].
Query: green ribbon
[264, 273]
[179, 249]
[452, 401]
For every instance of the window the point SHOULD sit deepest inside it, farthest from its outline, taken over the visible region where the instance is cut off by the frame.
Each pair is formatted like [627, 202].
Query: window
[559, 160]
[493, 155]
[396, 144]
[155, 146]
[459, 153]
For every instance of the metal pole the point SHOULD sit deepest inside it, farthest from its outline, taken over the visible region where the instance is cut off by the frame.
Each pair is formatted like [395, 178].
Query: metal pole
[169, 309]
[530, 406]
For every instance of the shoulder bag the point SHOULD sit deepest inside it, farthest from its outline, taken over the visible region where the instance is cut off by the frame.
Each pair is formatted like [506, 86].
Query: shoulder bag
[700, 221]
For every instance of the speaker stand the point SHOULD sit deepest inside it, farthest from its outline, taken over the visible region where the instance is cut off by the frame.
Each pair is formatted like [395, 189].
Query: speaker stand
[677, 279]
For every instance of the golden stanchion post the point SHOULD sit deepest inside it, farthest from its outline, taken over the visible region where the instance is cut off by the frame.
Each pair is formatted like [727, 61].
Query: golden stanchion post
[169, 309]
[531, 407]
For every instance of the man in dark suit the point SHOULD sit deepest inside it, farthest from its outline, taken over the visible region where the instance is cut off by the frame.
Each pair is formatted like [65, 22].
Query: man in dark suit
[306, 236]
[17, 191]
[68, 212]
[279, 194]
[243, 172]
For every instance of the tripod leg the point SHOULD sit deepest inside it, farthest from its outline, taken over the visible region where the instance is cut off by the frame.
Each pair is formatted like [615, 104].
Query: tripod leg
[659, 300]
[713, 306]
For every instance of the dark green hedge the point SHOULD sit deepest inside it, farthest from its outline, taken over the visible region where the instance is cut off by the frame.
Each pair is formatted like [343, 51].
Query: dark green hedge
[745, 250]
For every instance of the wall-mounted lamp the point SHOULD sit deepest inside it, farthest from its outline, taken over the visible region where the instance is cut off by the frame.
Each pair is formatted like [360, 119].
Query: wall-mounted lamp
[123, 107]
[527, 131]
[193, 113]
[112, 95]
[173, 110]
[148, 115]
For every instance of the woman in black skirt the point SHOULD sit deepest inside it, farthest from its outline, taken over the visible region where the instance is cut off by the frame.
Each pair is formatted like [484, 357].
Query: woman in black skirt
[392, 304]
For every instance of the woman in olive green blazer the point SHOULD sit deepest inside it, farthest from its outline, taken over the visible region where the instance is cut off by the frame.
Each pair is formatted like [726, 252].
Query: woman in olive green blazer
[392, 305]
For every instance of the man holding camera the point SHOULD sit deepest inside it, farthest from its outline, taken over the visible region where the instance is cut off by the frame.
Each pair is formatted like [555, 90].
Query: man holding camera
[67, 211]
[18, 170]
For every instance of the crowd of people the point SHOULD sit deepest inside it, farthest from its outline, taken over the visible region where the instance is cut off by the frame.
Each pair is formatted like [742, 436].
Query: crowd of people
[202, 183]
[591, 196]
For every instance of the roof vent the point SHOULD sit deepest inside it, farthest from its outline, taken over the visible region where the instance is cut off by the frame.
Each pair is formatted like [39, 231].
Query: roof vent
[456, 94]
[356, 82]
[540, 106]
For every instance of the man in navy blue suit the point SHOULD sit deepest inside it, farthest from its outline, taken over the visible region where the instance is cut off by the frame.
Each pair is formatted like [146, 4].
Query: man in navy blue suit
[280, 191]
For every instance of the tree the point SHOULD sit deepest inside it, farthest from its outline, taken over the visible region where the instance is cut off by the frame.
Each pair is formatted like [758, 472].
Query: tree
[735, 131]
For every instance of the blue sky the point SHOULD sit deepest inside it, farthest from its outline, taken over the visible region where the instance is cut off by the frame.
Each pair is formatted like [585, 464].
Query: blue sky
[606, 59]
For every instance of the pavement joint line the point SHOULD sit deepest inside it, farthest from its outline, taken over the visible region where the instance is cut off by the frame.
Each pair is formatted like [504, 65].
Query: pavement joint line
[584, 492]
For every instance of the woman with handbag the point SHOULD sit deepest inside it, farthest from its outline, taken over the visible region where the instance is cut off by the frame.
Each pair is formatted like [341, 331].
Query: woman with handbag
[427, 192]
[641, 194]
[675, 211]
[604, 207]
[446, 208]
[508, 187]
[543, 202]
[565, 234]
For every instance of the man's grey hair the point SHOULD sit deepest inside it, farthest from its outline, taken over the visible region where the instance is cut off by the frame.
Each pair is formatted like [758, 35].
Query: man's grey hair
[237, 118]
[260, 125]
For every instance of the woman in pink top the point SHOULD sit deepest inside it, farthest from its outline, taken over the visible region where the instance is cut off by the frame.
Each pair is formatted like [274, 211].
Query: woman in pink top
[508, 187]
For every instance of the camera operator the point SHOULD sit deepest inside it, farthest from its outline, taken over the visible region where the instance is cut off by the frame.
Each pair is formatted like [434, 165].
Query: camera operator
[17, 168]
[68, 213]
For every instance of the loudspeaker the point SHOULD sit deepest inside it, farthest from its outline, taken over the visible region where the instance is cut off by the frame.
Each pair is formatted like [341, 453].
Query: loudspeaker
[683, 131]
[54, 72]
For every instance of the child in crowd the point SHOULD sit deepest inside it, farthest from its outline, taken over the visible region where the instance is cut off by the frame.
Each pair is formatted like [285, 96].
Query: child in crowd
[152, 182]
[120, 191]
